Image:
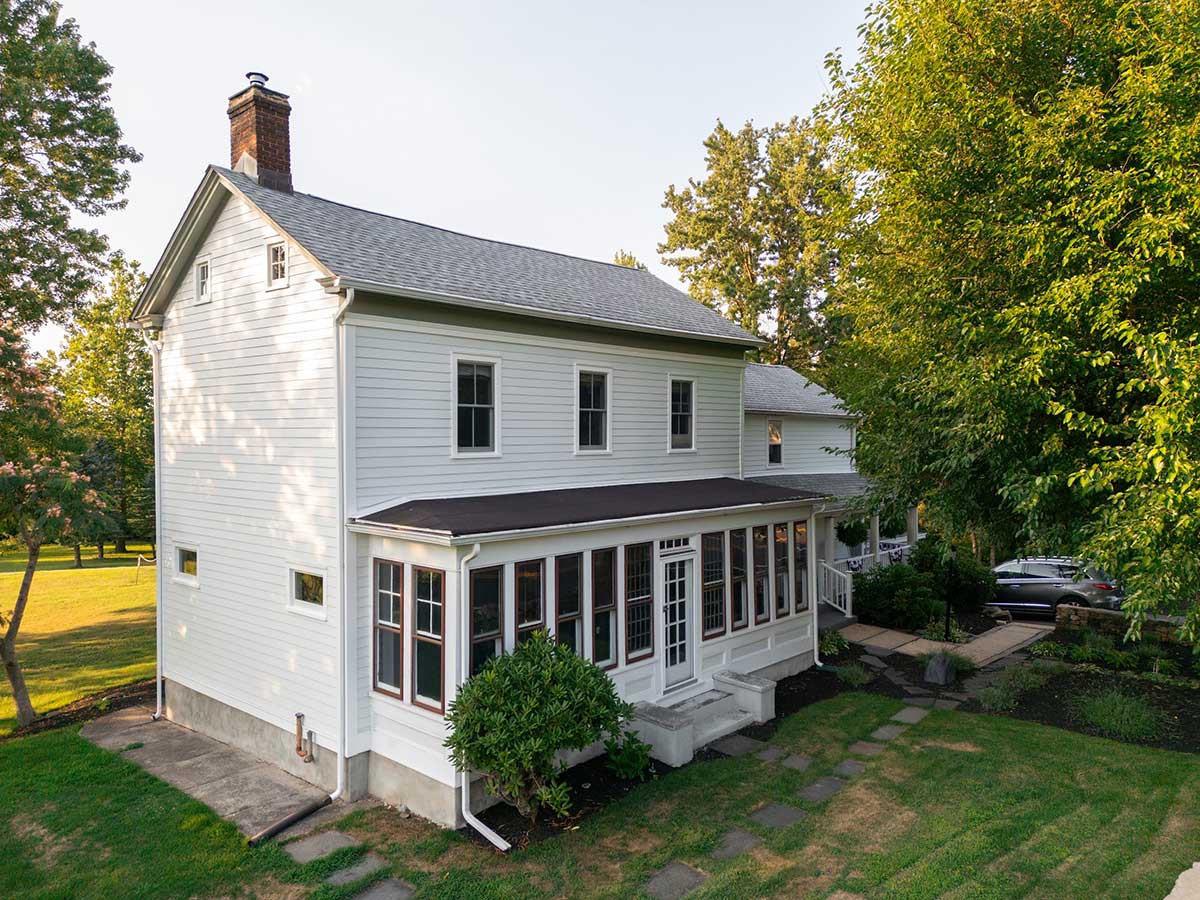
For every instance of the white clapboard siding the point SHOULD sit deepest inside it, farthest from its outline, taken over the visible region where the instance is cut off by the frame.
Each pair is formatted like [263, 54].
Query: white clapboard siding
[403, 407]
[807, 441]
[250, 480]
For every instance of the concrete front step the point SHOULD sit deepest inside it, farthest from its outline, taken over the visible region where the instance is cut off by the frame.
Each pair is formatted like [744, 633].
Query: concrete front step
[707, 705]
[719, 726]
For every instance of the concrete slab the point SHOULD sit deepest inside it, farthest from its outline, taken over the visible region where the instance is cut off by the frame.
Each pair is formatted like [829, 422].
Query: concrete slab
[117, 721]
[1187, 885]
[144, 731]
[736, 745]
[922, 645]
[891, 640]
[776, 815]
[797, 763]
[910, 715]
[860, 634]
[318, 845]
[822, 789]
[770, 754]
[368, 865]
[874, 662]
[888, 732]
[735, 842]
[388, 889]
[673, 881]
[849, 768]
[866, 748]
[173, 745]
[189, 774]
[947, 704]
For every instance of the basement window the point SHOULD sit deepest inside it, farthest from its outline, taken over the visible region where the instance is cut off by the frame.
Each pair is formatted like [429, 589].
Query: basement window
[277, 264]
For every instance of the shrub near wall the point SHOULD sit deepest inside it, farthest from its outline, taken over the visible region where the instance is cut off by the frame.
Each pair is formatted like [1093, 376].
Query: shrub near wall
[958, 577]
[896, 596]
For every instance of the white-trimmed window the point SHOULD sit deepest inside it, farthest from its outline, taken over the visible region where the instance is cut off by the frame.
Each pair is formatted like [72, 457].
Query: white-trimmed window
[476, 385]
[428, 655]
[783, 605]
[307, 592]
[203, 285]
[604, 607]
[187, 565]
[277, 264]
[389, 628]
[639, 601]
[683, 414]
[712, 566]
[775, 442]
[593, 423]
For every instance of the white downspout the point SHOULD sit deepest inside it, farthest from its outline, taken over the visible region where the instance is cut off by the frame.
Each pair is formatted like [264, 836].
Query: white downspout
[155, 347]
[463, 657]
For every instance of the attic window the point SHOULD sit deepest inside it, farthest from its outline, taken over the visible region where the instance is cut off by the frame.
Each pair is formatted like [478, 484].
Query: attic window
[277, 265]
[203, 282]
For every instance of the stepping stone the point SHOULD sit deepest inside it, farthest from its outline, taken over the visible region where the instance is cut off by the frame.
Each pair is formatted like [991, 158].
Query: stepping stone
[674, 880]
[910, 715]
[849, 768]
[947, 704]
[878, 652]
[736, 745]
[822, 789]
[370, 863]
[388, 889]
[926, 702]
[798, 763]
[735, 842]
[955, 695]
[776, 815]
[770, 754]
[888, 732]
[895, 676]
[866, 748]
[915, 691]
[873, 661]
[315, 846]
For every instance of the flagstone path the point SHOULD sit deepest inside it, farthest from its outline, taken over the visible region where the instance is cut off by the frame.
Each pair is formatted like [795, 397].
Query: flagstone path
[320, 845]
[981, 650]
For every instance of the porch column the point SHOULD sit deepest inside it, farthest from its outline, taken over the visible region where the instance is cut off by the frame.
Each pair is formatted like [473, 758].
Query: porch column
[911, 525]
[875, 538]
[829, 535]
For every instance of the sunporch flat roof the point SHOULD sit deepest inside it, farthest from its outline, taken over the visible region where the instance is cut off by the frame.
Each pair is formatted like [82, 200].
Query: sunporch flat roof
[838, 485]
[489, 514]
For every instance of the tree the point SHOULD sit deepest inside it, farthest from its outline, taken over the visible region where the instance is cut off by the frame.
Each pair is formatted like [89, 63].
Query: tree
[107, 389]
[61, 153]
[1019, 268]
[625, 258]
[42, 497]
[750, 237]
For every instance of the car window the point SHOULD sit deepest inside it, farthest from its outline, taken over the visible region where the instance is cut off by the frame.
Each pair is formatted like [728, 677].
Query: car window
[1042, 570]
[1008, 569]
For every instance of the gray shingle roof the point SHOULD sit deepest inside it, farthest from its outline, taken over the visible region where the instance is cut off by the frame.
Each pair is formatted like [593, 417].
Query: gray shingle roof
[397, 254]
[780, 389]
[821, 484]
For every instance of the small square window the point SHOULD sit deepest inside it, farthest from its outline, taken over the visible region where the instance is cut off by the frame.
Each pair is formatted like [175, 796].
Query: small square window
[308, 590]
[187, 563]
[277, 264]
[203, 282]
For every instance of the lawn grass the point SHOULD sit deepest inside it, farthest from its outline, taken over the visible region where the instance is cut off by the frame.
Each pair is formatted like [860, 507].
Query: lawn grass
[84, 630]
[959, 806]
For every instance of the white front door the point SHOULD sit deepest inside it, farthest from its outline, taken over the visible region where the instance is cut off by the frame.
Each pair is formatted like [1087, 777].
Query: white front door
[677, 620]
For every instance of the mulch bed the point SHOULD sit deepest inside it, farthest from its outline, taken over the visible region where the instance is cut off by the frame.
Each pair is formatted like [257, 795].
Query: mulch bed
[87, 708]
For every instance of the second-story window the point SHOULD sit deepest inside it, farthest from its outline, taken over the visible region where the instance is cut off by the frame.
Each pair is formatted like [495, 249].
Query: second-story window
[277, 264]
[476, 407]
[682, 414]
[775, 442]
[203, 282]
[593, 411]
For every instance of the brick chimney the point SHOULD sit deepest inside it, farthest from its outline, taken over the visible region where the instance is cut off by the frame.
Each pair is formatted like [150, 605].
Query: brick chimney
[259, 145]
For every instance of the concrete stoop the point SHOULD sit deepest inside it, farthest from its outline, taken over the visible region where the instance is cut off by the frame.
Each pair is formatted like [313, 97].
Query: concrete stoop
[675, 731]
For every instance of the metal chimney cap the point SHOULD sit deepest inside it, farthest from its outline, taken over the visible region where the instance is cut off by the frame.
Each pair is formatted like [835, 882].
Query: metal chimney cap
[257, 79]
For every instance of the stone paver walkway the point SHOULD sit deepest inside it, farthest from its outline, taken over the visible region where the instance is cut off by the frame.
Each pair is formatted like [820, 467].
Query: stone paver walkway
[735, 842]
[673, 881]
[1187, 886]
[982, 650]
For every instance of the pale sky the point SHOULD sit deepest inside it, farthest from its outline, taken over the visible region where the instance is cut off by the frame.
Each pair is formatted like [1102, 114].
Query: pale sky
[557, 125]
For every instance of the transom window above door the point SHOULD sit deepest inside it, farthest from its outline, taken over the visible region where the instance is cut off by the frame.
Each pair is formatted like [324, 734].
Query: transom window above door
[682, 414]
[593, 421]
[475, 407]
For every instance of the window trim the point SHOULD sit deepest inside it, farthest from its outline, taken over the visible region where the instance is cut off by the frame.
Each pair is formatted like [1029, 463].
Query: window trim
[518, 628]
[457, 357]
[770, 593]
[796, 581]
[397, 692]
[205, 261]
[607, 610]
[671, 379]
[582, 369]
[499, 570]
[786, 609]
[771, 443]
[748, 570]
[725, 582]
[273, 284]
[417, 636]
[180, 577]
[299, 607]
[648, 653]
[578, 616]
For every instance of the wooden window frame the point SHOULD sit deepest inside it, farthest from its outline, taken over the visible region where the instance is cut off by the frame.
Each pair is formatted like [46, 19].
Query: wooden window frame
[786, 609]
[559, 618]
[748, 574]
[726, 598]
[518, 628]
[672, 380]
[397, 692]
[770, 598]
[609, 610]
[273, 283]
[499, 636]
[771, 444]
[647, 653]
[606, 374]
[418, 637]
[800, 584]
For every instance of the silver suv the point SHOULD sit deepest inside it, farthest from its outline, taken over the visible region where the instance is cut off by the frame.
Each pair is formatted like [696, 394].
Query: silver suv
[1040, 584]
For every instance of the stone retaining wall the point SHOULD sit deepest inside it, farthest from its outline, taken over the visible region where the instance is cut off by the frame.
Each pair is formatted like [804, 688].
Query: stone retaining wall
[1111, 621]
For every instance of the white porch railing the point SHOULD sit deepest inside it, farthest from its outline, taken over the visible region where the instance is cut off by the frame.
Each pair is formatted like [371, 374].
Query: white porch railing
[890, 553]
[836, 588]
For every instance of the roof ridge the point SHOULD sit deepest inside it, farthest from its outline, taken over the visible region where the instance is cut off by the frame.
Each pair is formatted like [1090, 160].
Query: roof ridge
[473, 237]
